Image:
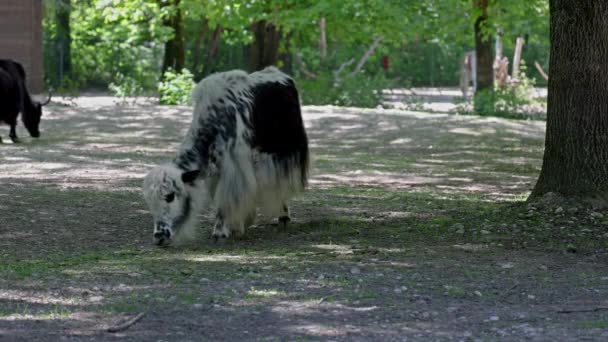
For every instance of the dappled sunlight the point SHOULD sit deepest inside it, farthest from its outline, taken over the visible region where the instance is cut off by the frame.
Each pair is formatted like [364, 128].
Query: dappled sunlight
[349, 249]
[36, 297]
[238, 259]
[359, 177]
[265, 293]
[92, 142]
[337, 249]
[401, 141]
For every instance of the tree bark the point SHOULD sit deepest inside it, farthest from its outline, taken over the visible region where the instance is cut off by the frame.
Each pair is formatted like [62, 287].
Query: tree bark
[264, 51]
[575, 162]
[62, 15]
[175, 55]
[485, 61]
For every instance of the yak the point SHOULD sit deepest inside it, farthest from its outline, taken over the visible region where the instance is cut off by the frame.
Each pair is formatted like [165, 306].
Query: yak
[15, 99]
[246, 148]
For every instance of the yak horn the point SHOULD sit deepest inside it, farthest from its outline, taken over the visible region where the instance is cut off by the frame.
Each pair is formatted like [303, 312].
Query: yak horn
[47, 101]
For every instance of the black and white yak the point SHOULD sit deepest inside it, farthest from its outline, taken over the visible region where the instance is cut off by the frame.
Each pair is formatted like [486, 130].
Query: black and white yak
[15, 99]
[246, 148]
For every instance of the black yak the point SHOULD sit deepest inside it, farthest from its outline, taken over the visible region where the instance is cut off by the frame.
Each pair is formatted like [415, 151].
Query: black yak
[15, 99]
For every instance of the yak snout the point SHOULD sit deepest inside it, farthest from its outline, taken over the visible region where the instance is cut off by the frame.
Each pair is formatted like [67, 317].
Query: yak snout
[162, 235]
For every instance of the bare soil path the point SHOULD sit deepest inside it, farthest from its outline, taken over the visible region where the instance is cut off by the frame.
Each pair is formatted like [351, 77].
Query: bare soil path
[414, 229]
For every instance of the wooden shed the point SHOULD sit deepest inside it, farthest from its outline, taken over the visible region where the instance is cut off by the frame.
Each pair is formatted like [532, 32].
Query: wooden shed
[21, 38]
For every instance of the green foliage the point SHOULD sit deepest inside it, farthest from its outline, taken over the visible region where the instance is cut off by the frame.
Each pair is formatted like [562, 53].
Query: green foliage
[360, 90]
[114, 42]
[514, 99]
[483, 103]
[175, 88]
[125, 86]
[119, 44]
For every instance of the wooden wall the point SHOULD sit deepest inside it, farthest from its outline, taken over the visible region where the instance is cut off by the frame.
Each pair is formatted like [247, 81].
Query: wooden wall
[21, 38]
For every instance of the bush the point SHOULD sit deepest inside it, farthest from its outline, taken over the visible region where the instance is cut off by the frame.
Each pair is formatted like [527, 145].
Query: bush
[175, 88]
[355, 91]
[513, 101]
[124, 86]
[515, 98]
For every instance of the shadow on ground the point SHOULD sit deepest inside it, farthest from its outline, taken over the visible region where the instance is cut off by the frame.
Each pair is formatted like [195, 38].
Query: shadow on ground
[413, 228]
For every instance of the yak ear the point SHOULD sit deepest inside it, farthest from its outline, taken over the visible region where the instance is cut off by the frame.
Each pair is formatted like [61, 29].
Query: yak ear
[189, 177]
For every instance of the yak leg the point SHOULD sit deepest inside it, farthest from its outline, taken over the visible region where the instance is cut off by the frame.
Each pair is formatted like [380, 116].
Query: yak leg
[247, 222]
[284, 219]
[221, 230]
[250, 219]
[13, 133]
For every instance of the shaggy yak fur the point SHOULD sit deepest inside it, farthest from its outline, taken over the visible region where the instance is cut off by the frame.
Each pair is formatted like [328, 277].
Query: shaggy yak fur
[246, 149]
[15, 98]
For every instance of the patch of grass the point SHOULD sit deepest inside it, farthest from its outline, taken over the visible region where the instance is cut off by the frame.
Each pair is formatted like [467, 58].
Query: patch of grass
[56, 312]
[597, 324]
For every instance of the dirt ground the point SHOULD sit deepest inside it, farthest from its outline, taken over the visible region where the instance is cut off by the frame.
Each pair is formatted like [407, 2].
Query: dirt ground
[414, 229]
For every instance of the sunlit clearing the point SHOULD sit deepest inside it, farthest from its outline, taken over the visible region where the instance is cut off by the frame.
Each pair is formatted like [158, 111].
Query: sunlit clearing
[265, 293]
[240, 259]
[37, 297]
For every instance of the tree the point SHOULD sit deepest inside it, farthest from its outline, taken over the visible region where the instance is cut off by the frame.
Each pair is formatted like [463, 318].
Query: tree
[264, 50]
[64, 40]
[575, 162]
[175, 56]
[485, 60]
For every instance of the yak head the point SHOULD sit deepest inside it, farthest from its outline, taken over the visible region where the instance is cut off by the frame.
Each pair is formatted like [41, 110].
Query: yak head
[32, 115]
[174, 198]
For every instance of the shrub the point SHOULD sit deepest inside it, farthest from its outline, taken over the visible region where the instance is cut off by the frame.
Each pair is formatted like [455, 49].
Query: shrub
[175, 88]
[360, 90]
[515, 98]
[513, 101]
[125, 86]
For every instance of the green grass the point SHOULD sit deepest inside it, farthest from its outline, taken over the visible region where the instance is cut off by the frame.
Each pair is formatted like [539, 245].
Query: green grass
[595, 324]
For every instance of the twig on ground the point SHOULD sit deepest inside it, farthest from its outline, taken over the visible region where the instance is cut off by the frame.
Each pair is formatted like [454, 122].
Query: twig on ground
[599, 308]
[507, 293]
[126, 325]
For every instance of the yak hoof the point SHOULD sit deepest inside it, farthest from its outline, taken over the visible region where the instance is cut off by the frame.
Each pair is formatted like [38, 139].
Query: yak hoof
[219, 239]
[15, 140]
[284, 220]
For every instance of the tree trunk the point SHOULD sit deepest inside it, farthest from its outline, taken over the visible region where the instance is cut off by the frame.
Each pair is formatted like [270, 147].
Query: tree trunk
[485, 61]
[264, 50]
[64, 8]
[575, 162]
[322, 40]
[174, 48]
[498, 52]
[213, 48]
[285, 56]
[519, 45]
[198, 45]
